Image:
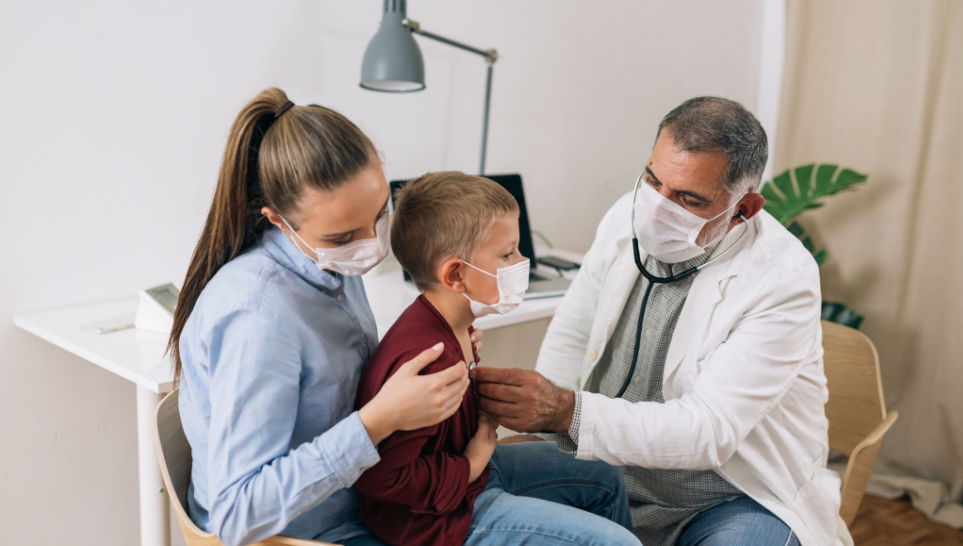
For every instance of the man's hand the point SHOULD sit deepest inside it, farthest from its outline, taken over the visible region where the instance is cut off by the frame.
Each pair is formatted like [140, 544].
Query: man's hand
[523, 400]
[519, 438]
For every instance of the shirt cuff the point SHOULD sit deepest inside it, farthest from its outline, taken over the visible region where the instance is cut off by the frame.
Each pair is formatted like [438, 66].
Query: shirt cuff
[568, 442]
[352, 451]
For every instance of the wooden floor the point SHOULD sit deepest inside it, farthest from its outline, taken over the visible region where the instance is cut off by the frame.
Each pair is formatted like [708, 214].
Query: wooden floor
[882, 522]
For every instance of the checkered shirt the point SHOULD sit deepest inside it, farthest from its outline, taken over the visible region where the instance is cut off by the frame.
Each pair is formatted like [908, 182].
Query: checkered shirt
[662, 501]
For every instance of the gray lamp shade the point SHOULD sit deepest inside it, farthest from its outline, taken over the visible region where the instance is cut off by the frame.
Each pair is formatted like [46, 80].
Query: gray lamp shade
[392, 62]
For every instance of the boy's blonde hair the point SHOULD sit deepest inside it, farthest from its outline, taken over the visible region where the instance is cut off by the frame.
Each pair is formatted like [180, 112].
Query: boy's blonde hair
[444, 215]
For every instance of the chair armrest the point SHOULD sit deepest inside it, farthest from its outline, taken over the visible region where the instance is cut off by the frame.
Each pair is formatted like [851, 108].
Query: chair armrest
[279, 540]
[876, 435]
[859, 468]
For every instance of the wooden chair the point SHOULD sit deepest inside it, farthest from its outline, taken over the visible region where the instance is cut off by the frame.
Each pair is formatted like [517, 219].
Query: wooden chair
[856, 410]
[174, 456]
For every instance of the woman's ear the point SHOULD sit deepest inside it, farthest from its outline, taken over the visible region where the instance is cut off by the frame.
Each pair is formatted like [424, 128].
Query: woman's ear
[450, 275]
[274, 218]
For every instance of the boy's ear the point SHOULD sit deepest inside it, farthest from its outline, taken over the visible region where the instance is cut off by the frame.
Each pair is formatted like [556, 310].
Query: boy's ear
[449, 274]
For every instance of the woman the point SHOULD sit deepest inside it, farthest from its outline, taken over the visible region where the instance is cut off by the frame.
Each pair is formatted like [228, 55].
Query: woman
[273, 327]
[268, 344]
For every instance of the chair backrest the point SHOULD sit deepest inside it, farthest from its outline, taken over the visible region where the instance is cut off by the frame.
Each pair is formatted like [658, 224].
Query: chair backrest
[174, 456]
[855, 405]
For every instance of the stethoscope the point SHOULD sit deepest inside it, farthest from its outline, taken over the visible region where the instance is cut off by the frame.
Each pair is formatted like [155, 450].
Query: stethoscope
[653, 280]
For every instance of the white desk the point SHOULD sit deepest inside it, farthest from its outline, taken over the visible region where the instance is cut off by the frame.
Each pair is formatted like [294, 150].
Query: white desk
[135, 355]
[138, 356]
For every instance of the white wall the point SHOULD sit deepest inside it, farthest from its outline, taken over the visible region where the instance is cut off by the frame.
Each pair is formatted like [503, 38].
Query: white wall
[114, 116]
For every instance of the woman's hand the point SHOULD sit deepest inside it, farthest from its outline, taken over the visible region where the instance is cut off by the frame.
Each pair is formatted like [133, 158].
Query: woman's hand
[481, 446]
[409, 401]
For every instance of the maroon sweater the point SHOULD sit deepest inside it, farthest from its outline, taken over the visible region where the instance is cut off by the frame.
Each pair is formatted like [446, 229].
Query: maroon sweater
[419, 492]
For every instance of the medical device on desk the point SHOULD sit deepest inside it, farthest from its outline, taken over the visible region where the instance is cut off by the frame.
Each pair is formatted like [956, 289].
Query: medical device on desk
[155, 313]
[155, 308]
[543, 282]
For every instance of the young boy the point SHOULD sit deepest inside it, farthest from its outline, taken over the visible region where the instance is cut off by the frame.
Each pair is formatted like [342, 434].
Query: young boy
[457, 236]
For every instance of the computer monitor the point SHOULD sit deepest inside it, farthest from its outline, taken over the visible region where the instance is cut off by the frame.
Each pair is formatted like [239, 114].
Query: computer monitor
[513, 183]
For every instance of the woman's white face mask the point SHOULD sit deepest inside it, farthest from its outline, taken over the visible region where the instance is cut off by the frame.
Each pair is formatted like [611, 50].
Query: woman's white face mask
[512, 284]
[667, 230]
[356, 257]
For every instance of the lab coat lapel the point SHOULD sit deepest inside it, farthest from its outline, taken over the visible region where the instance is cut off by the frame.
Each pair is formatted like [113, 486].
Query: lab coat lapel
[708, 289]
[617, 290]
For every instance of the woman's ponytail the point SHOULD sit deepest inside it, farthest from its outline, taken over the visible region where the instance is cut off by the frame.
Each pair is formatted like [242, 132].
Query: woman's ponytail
[274, 151]
[234, 221]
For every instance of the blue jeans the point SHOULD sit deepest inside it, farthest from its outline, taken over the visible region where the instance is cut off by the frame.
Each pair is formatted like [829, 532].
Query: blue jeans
[538, 495]
[363, 540]
[742, 521]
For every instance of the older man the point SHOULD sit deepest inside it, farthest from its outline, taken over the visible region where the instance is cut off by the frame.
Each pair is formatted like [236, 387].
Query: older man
[688, 350]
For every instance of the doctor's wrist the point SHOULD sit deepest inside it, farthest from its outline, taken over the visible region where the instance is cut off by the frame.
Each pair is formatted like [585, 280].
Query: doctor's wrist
[564, 409]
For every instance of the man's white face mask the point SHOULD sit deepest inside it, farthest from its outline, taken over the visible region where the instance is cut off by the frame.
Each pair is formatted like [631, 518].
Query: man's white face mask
[667, 230]
[356, 257]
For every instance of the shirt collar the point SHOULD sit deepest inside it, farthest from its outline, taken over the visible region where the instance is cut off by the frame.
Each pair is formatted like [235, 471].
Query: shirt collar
[280, 247]
[668, 270]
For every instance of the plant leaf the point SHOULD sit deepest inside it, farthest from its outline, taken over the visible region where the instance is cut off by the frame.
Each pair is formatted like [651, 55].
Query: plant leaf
[833, 311]
[795, 190]
[769, 191]
[800, 233]
[821, 257]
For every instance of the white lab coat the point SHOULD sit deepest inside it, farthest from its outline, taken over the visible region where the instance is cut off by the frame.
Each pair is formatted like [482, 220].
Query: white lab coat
[743, 384]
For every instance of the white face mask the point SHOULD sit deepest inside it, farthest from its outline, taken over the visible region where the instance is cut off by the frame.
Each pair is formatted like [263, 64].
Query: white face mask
[356, 257]
[512, 284]
[666, 229]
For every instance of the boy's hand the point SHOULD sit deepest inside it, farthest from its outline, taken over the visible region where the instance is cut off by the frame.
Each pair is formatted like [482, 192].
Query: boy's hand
[480, 448]
[476, 344]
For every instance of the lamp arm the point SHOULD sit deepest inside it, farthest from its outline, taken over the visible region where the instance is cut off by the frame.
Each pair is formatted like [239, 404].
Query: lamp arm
[490, 55]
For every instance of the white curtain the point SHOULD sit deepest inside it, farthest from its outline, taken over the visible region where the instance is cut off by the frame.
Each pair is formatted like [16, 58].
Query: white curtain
[877, 86]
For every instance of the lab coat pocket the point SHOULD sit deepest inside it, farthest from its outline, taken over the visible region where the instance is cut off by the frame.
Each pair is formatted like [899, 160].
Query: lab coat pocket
[819, 497]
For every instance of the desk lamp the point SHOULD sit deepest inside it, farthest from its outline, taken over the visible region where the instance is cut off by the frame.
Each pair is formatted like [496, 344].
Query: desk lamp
[393, 63]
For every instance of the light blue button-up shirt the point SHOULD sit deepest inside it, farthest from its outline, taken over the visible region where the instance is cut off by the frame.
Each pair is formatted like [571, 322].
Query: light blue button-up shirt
[272, 354]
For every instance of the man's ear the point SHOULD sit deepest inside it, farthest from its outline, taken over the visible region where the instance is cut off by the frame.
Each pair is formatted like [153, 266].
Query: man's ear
[750, 205]
[449, 274]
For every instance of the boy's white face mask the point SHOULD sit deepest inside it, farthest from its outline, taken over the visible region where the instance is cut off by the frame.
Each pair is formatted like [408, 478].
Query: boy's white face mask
[512, 284]
[666, 229]
[356, 257]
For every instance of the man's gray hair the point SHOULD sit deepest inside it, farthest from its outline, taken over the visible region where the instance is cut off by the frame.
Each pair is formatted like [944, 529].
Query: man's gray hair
[713, 124]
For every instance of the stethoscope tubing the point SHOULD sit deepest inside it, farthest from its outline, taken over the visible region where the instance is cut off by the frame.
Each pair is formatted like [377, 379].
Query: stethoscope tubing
[653, 280]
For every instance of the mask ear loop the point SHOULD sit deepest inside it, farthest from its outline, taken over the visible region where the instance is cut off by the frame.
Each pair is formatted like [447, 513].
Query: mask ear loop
[635, 197]
[478, 268]
[296, 234]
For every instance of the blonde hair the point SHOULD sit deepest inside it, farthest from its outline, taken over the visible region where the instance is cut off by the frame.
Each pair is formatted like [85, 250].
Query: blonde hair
[444, 215]
[273, 152]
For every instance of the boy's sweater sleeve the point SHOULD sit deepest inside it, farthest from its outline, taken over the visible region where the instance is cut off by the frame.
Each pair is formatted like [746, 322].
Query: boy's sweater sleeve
[435, 483]
[432, 483]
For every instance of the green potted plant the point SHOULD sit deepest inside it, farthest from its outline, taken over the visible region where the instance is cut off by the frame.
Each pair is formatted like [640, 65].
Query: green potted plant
[804, 187]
